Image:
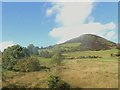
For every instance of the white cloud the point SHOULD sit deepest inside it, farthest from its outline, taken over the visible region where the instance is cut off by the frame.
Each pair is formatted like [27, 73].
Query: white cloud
[66, 33]
[111, 35]
[6, 44]
[73, 13]
[72, 17]
[49, 12]
[91, 19]
[54, 9]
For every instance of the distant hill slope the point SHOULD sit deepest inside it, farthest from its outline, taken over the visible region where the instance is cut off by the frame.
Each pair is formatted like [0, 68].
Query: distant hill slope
[84, 43]
[91, 42]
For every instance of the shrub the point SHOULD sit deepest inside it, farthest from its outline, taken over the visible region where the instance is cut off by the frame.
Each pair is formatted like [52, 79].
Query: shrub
[11, 55]
[57, 58]
[115, 54]
[45, 54]
[27, 64]
[56, 82]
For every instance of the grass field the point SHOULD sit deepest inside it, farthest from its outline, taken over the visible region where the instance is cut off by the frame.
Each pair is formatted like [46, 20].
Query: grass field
[91, 73]
[70, 45]
[79, 73]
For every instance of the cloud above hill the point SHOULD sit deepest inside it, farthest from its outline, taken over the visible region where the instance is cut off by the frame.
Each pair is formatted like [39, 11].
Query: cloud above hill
[6, 44]
[75, 19]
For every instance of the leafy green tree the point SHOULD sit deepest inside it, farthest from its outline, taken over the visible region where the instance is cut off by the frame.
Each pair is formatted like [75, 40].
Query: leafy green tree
[11, 55]
[32, 49]
[27, 64]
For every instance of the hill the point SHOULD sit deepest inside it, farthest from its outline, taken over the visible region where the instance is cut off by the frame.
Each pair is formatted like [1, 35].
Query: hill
[89, 42]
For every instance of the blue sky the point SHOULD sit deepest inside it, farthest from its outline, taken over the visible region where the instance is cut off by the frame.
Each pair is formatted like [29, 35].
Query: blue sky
[25, 23]
[41, 24]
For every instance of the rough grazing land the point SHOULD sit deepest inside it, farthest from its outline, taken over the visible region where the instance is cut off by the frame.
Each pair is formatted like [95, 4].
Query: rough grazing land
[79, 73]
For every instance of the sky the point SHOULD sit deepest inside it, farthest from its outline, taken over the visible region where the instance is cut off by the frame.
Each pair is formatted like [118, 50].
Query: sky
[49, 23]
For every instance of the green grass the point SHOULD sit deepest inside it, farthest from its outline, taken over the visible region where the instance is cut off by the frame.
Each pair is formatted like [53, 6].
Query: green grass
[102, 53]
[70, 45]
[45, 61]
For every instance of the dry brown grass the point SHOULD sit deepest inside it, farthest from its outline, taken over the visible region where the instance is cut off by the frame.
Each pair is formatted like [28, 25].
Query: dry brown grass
[91, 74]
[29, 80]
[78, 73]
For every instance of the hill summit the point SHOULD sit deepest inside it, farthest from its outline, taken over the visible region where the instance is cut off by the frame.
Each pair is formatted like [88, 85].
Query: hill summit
[91, 42]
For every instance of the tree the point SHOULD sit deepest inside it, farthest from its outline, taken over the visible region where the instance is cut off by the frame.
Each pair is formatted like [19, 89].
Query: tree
[42, 47]
[11, 55]
[32, 49]
[57, 55]
[57, 58]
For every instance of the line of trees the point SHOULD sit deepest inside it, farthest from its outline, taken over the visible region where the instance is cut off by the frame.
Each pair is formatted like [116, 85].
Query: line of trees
[14, 55]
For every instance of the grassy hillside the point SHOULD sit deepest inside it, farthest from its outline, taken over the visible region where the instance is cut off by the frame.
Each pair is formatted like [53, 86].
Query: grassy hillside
[92, 42]
[79, 73]
[86, 42]
[70, 47]
[105, 54]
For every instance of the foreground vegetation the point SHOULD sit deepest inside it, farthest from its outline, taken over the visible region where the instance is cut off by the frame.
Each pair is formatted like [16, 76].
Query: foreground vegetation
[56, 69]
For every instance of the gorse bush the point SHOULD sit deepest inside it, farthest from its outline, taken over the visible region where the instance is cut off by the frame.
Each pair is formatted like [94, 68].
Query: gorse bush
[56, 82]
[27, 64]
